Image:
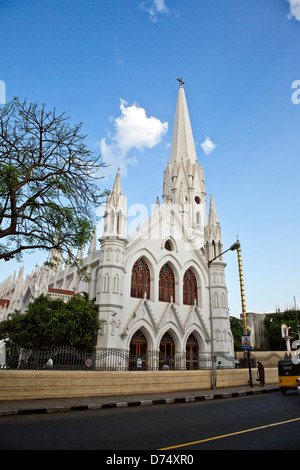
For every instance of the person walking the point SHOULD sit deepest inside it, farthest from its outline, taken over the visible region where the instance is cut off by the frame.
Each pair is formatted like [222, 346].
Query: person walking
[260, 374]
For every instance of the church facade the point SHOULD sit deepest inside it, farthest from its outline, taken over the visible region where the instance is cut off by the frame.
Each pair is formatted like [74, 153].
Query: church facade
[151, 286]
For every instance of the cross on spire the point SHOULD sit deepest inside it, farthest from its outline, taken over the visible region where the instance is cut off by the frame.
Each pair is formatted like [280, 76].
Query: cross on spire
[180, 81]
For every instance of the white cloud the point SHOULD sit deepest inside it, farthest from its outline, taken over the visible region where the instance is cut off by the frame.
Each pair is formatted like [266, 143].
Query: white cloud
[155, 8]
[133, 130]
[208, 146]
[294, 9]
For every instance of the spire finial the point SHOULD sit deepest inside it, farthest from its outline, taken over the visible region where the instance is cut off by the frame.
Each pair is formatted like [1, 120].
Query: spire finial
[180, 81]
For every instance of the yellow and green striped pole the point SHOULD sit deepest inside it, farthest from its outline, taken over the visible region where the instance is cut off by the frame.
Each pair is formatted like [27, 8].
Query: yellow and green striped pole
[239, 254]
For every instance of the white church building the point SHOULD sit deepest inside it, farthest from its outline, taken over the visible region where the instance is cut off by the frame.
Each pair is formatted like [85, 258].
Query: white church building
[151, 286]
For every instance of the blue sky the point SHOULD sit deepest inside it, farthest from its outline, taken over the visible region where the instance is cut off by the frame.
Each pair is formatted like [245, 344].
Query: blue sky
[113, 65]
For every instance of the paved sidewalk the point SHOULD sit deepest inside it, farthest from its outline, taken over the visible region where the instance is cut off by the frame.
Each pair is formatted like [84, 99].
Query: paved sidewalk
[56, 405]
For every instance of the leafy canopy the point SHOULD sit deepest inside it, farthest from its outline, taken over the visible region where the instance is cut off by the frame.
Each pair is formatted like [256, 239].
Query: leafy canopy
[273, 323]
[48, 190]
[49, 323]
[237, 329]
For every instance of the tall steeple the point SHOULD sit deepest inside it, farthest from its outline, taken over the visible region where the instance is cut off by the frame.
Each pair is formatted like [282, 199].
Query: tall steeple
[183, 146]
[183, 177]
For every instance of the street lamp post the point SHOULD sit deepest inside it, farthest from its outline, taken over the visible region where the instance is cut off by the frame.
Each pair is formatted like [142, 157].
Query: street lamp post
[233, 247]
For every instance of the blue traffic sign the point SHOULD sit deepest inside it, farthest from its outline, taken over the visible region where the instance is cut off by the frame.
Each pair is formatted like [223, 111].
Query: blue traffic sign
[246, 344]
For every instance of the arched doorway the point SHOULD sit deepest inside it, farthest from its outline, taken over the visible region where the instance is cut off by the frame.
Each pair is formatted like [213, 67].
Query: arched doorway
[192, 353]
[167, 352]
[138, 352]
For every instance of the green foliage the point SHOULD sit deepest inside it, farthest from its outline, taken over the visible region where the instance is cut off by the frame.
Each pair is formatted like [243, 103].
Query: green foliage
[273, 324]
[49, 323]
[237, 329]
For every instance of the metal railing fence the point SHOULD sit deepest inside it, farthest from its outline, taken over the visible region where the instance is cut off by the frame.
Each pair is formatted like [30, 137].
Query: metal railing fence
[68, 358]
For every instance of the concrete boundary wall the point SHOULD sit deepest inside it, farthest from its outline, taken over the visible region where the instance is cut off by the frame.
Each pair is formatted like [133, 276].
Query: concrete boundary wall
[267, 358]
[22, 384]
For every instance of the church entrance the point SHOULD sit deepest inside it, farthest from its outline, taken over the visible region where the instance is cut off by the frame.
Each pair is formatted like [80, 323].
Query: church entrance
[192, 353]
[167, 352]
[138, 352]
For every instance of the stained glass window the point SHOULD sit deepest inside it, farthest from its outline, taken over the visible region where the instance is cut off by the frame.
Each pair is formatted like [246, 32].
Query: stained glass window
[140, 279]
[189, 288]
[166, 284]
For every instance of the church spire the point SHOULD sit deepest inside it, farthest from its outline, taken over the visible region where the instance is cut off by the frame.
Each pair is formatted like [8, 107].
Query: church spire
[183, 178]
[213, 217]
[183, 146]
[117, 189]
[116, 210]
[213, 236]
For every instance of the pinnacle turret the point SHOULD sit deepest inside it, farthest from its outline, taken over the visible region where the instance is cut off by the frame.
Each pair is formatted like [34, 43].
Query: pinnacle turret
[116, 210]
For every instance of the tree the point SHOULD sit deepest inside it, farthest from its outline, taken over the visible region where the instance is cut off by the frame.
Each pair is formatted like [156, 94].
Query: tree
[48, 190]
[273, 324]
[49, 323]
[81, 322]
[237, 329]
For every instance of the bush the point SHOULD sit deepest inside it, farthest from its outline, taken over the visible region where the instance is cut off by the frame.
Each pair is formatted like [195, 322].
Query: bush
[49, 323]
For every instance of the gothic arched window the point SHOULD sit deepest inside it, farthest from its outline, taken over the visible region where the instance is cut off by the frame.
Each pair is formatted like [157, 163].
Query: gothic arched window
[140, 279]
[166, 284]
[189, 288]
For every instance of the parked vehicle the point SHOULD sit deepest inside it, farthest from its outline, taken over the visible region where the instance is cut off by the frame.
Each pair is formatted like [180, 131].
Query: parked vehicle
[298, 387]
[288, 375]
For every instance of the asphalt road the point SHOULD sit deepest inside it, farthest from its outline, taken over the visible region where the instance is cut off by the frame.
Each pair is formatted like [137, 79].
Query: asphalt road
[267, 422]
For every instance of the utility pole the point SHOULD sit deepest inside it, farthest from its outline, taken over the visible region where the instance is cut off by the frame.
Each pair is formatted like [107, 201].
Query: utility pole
[243, 305]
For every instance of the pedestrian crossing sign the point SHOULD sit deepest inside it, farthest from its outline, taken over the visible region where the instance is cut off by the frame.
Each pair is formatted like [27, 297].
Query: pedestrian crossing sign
[246, 344]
